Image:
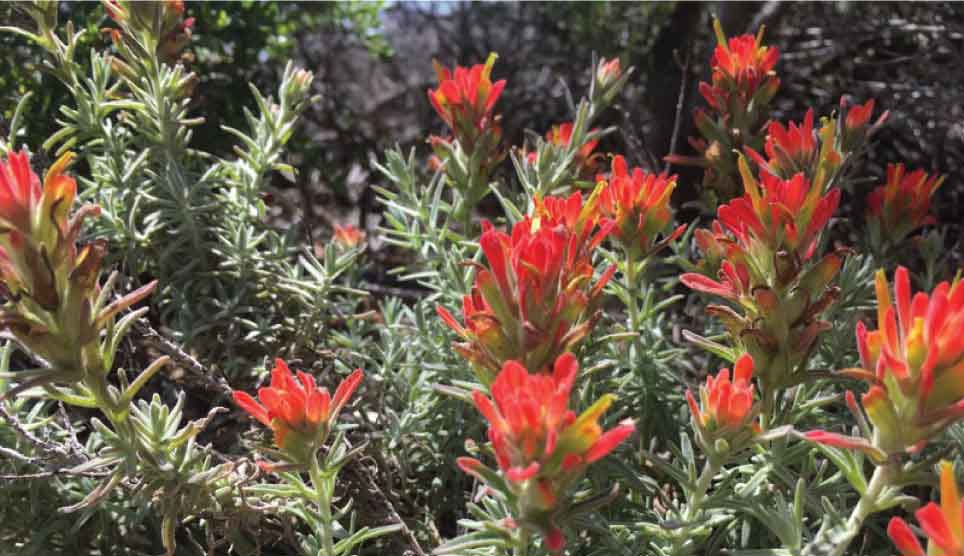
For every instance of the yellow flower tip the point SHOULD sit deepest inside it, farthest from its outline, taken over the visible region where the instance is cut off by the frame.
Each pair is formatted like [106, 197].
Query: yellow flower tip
[489, 62]
[720, 37]
[61, 164]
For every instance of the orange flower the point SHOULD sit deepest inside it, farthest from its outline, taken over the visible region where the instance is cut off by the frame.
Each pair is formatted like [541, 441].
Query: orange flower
[902, 204]
[725, 403]
[465, 99]
[534, 299]
[943, 524]
[914, 362]
[541, 446]
[348, 236]
[299, 413]
[779, 215]
[638, 205]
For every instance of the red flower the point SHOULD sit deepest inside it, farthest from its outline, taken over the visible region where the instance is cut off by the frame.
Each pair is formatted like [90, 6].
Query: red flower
[638, 205]
[943, 524]
[534, 300]
[348, 236]
[741, 67]
[540, 445]
[299, 413]
[465, 98]
[903, 203]
[725, 403]
[859, 115]
[779, 215]
[914, 362]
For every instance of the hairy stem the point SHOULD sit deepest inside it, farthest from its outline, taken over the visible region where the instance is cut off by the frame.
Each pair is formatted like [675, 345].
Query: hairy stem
[323, 494]
[695, 503]
[867, 506]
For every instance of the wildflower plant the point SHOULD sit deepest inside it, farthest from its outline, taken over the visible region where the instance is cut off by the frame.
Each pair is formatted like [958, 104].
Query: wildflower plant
[486, 422]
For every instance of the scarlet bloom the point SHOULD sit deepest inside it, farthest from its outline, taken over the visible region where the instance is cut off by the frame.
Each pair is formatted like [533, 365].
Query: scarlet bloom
[779, 215]
[465, 98]
[638, 204]
[742, 66]
[297, 411]
[859, 116]
[541, 446]
[903, 203]
[534, 299]
[789, 149]
[348, 236]
[914, 362]
[725, 404]
[942, 524]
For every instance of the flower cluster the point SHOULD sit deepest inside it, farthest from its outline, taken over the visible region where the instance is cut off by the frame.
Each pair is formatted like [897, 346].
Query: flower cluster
[902, 204]
[541, 446]
[638, 205]
[764, 244]
[54, 305]
[725, 408]
[913, 364]
[298, 412]
[943, 524]
[738, 98]
[535, 299]
[819, 155]
[465, 99]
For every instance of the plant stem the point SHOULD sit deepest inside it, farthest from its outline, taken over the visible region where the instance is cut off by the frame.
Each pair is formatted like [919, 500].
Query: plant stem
[522, 547]
[632, 290]
[323, 494]
[865, 507]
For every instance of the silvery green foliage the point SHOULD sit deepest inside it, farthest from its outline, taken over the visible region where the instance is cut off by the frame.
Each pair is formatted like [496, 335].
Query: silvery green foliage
[232, 286]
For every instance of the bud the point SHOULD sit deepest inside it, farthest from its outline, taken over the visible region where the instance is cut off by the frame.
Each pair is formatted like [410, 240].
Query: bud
[724, 417]
[902, 204]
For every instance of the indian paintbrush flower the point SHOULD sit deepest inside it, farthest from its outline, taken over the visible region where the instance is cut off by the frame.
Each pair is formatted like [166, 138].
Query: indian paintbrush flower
[53, 306]
[902, 204]
[943, 524]
[638, 205]
[761, 251]
[299, 413]
[725, 408]
[534, 299]
[742, 85]
[541, 446]
[742, 72]
[465, 99]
